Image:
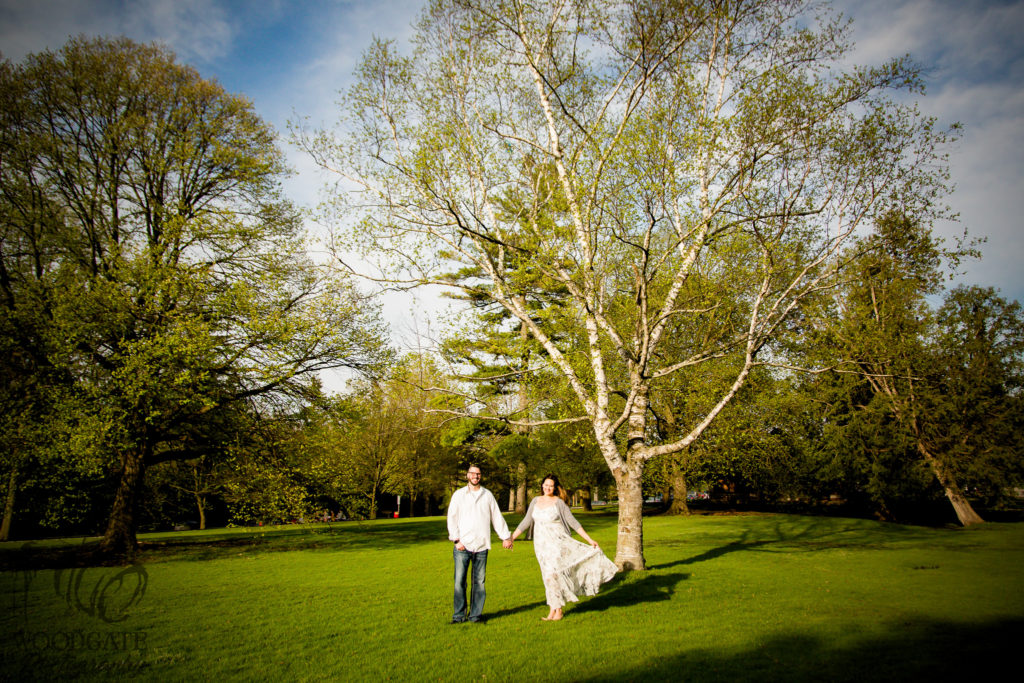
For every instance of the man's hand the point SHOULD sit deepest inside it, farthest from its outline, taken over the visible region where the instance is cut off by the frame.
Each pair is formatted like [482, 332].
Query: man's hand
[459, 546]
[507, 544]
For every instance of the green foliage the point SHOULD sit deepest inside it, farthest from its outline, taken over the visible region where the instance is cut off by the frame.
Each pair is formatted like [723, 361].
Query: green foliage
[925, 395]
[382, 436]
[151, 269]
[977, 416]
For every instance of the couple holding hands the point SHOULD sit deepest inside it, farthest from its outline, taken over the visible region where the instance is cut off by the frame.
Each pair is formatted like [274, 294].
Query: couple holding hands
[569, 568]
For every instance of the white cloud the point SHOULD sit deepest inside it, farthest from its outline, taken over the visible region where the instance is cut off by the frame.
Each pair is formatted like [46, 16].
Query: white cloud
[955, 36]
[27, 27]
[197, 30]
[973, 53]
[344, 32]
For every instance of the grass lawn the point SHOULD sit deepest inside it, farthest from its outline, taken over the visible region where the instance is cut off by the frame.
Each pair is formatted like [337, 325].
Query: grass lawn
[747, 597]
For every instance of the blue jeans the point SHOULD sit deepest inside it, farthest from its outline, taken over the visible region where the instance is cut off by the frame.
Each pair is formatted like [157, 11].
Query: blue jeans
[463, 558]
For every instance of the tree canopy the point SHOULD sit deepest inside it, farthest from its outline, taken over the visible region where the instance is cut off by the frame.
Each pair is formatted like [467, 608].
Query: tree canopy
[645, 187]
[149, 266]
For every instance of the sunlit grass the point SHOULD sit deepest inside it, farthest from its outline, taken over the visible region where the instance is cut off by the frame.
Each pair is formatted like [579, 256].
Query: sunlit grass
[755, 597]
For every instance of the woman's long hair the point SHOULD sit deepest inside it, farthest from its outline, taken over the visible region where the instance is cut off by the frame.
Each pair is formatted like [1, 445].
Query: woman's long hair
[559, 491]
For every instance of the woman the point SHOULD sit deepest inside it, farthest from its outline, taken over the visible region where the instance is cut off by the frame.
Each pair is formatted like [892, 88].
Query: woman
[569, 568]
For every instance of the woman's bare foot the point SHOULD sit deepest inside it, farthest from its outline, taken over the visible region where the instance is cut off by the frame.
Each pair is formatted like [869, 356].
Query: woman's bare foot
[553, 615]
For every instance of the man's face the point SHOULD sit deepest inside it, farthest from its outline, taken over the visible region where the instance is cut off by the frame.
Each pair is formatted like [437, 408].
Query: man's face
[473, 476]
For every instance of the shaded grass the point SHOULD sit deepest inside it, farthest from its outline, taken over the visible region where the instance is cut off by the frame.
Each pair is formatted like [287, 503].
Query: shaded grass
[752, 597]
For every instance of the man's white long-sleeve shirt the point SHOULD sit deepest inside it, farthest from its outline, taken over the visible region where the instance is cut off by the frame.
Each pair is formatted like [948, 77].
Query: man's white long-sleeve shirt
[470, 517]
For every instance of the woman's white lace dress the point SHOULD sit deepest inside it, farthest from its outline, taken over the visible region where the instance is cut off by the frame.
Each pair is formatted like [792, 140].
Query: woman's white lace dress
[569, 568]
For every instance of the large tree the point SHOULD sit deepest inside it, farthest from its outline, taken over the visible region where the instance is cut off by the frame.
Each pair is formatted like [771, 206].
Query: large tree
[165, 277]
[666, 161]
[887, 329]
[978, 418]
[942, 385]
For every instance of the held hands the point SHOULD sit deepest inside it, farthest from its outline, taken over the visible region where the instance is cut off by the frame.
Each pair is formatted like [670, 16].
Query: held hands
[507, 544]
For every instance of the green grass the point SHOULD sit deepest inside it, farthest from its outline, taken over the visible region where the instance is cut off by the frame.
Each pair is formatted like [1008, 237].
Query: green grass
[752, 597]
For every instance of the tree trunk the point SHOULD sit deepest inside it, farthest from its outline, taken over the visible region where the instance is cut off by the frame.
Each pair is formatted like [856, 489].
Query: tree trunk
[512, 499]
[524, 406]
[5, 527]
[629, 547]
[373, 501]
[964, 511]
[119, 539]
[588, 501]
[521, 490]
[679, 506]
[200, 503]
[197, 480]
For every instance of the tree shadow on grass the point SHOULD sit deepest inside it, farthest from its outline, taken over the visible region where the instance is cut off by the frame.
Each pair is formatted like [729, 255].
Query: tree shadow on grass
[913, 650]
[622, 593]
[200, 546]
[509, 611]
[338, 536]
[804, 534]
[713, 554]
[219, 543]
[615, 593]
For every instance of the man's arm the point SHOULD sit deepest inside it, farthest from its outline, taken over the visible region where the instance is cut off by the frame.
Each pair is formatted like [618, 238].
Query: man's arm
[453, 517]
[498, 522]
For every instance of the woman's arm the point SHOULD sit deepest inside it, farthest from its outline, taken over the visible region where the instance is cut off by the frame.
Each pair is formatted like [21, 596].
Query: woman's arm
[526, 523]
[571, 521]
[587, 537]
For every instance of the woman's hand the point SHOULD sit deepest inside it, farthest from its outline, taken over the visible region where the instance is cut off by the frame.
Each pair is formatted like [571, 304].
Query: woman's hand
[594, 543]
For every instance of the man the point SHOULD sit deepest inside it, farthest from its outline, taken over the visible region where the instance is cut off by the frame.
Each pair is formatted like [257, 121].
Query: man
[471, 514]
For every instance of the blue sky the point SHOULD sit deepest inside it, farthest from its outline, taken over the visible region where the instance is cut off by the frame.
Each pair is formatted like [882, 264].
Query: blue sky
[292, 58]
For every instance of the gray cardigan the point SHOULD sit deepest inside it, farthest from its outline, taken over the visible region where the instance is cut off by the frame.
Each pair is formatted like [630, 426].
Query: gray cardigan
[568, 521]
